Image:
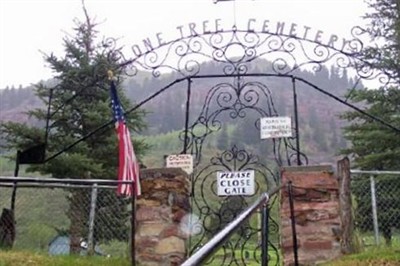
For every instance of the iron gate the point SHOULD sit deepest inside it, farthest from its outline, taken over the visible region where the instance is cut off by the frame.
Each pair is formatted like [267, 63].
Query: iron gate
[239, 94]
[243, 98]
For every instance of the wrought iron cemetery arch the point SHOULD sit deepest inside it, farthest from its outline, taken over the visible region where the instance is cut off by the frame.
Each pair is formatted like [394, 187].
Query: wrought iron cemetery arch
[255, 44]
[257, 41]
[236, 51]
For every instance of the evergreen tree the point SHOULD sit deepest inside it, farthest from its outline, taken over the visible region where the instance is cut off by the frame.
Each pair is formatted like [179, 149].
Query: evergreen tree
[384, 29]
[80, 104]
[373, 145]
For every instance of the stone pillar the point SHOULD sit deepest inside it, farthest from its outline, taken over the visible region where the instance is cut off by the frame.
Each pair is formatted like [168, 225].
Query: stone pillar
[159, 238]
[316, 206]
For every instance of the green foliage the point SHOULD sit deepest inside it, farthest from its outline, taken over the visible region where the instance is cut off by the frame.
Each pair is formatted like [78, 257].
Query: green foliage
[80, 104]
[375, 146]
[384, 28]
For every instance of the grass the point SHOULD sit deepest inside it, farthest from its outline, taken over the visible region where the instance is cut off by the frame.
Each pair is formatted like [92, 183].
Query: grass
[20, 258]
[370, 257]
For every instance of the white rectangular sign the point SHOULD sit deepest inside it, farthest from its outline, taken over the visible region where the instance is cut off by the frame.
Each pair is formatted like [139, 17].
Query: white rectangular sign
[275, 127]
[184, 161]
[235, 183]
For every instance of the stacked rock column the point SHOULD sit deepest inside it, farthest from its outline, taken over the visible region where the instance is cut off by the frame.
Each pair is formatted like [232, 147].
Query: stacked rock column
[160, 238]
[316, 211]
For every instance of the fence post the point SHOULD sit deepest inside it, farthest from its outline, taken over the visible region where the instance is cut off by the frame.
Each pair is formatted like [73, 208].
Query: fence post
[90, 248]
[264, 235]
[374, 210]
[346, 215]
[293, 222]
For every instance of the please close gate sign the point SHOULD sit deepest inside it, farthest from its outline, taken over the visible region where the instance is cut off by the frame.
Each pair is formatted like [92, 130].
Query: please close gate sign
[235, 183]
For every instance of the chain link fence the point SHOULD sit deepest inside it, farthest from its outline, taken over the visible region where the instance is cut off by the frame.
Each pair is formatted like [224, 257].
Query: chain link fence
[65, 217]
[376, 206]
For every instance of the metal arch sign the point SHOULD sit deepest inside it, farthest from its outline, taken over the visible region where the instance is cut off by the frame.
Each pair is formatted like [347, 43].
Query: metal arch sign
[266, 26]
[236, 183]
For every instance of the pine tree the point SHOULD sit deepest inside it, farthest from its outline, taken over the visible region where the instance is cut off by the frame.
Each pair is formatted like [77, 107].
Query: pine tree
[384, 29]
[374, 146]
[80, 104]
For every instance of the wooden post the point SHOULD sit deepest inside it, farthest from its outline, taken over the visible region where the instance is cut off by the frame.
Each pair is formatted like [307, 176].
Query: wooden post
[346, 214]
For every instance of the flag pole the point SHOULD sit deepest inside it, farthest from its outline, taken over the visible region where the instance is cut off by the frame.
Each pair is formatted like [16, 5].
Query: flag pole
[133, 227]
[118, 112]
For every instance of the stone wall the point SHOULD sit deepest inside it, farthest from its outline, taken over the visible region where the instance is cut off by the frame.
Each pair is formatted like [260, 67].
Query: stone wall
[160, 238]
[316, 206]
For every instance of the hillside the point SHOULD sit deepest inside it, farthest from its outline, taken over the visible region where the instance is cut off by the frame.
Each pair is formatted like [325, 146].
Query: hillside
[320, 128]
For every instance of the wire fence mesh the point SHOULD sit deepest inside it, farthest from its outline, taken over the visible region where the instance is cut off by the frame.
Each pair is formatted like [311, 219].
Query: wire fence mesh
[82, 218]
[376, 205]
[67, 218]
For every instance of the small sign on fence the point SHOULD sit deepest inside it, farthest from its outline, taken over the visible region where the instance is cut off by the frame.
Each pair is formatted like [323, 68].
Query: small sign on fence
[275, 127]
[235, 183]
[184, 161]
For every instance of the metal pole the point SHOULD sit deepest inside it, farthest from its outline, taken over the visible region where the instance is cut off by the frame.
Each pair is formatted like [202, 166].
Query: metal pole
[206, 251]
[374, 210]
[264, 235]
[92, 213]
[14, 191]
[187, 110]
[296, 121]
[291, 205]
[133, 230]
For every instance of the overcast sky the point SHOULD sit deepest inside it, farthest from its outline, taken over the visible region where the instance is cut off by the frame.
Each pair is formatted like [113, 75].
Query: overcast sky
[30, 26]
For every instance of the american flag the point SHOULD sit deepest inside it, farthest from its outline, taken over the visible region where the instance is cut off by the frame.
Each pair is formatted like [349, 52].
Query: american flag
[128, 168]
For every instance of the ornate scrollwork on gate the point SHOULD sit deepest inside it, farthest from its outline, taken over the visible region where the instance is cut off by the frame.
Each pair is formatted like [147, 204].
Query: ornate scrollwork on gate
[216, 214]
[236, 98]
[237, 50]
